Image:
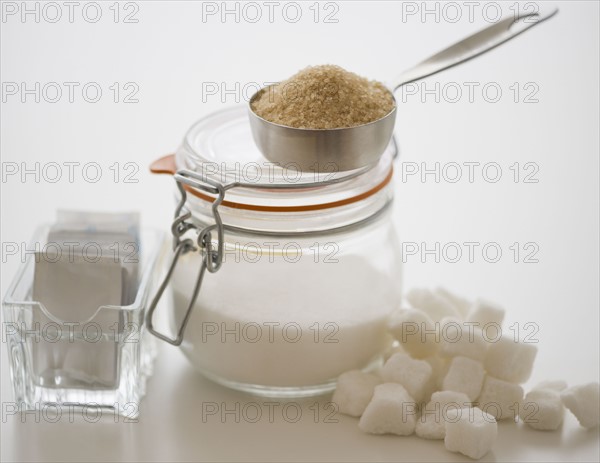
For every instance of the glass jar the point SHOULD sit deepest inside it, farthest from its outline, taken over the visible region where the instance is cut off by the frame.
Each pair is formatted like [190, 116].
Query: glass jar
[310, 265]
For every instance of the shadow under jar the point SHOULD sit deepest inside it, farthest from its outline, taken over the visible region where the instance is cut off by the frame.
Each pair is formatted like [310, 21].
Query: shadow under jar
[310, 271]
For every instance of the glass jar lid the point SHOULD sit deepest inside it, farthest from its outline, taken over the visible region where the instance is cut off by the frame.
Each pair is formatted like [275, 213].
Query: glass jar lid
[221, 148]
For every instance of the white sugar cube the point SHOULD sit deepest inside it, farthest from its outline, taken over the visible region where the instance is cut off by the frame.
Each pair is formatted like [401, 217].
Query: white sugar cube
[354, 391]
[542, 409]
[434, 305]
[509, 360]
[462, 305]
[470, 431]
[554, 385]
[431, 423]
[500, 399]
[439, 369]
[391, 411]
[465, 375]
[456, 339]
[484, 312]
[393, 349]
[584, 402]
[415, 331]
[450, 397]
[411, 373]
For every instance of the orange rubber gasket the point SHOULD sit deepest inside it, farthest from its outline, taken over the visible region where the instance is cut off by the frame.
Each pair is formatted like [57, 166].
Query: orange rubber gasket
[166, 165]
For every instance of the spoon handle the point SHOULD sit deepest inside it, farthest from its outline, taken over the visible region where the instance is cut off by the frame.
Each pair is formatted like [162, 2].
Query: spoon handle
[474, 45]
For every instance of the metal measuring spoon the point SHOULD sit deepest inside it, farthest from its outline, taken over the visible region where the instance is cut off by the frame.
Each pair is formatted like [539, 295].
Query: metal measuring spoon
[354, 147]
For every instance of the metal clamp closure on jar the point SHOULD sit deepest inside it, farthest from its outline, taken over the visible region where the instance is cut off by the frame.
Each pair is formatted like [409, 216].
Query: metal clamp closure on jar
[211, 259]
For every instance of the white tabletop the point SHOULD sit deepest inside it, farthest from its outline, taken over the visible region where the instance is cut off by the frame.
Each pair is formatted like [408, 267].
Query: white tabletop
[171, 55]
[177, 423]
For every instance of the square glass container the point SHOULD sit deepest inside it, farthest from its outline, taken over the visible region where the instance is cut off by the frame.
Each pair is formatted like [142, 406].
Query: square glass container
[102, 361]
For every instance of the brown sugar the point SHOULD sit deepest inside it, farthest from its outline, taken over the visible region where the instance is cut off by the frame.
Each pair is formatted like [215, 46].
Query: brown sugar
[323, 97]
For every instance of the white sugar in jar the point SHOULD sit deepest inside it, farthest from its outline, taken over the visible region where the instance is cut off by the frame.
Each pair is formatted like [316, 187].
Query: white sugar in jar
[310, 265]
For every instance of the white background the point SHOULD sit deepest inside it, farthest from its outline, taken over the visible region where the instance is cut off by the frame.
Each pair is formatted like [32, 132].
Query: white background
[170, 52]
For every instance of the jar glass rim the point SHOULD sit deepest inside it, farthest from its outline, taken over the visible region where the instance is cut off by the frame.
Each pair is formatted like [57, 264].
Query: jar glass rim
[220, 146]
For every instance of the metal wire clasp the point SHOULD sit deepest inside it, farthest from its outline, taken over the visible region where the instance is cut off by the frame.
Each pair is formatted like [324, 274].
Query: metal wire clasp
[211, 259]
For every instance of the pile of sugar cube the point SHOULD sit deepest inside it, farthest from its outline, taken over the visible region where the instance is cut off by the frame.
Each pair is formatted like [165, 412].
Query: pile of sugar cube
[452, 374]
